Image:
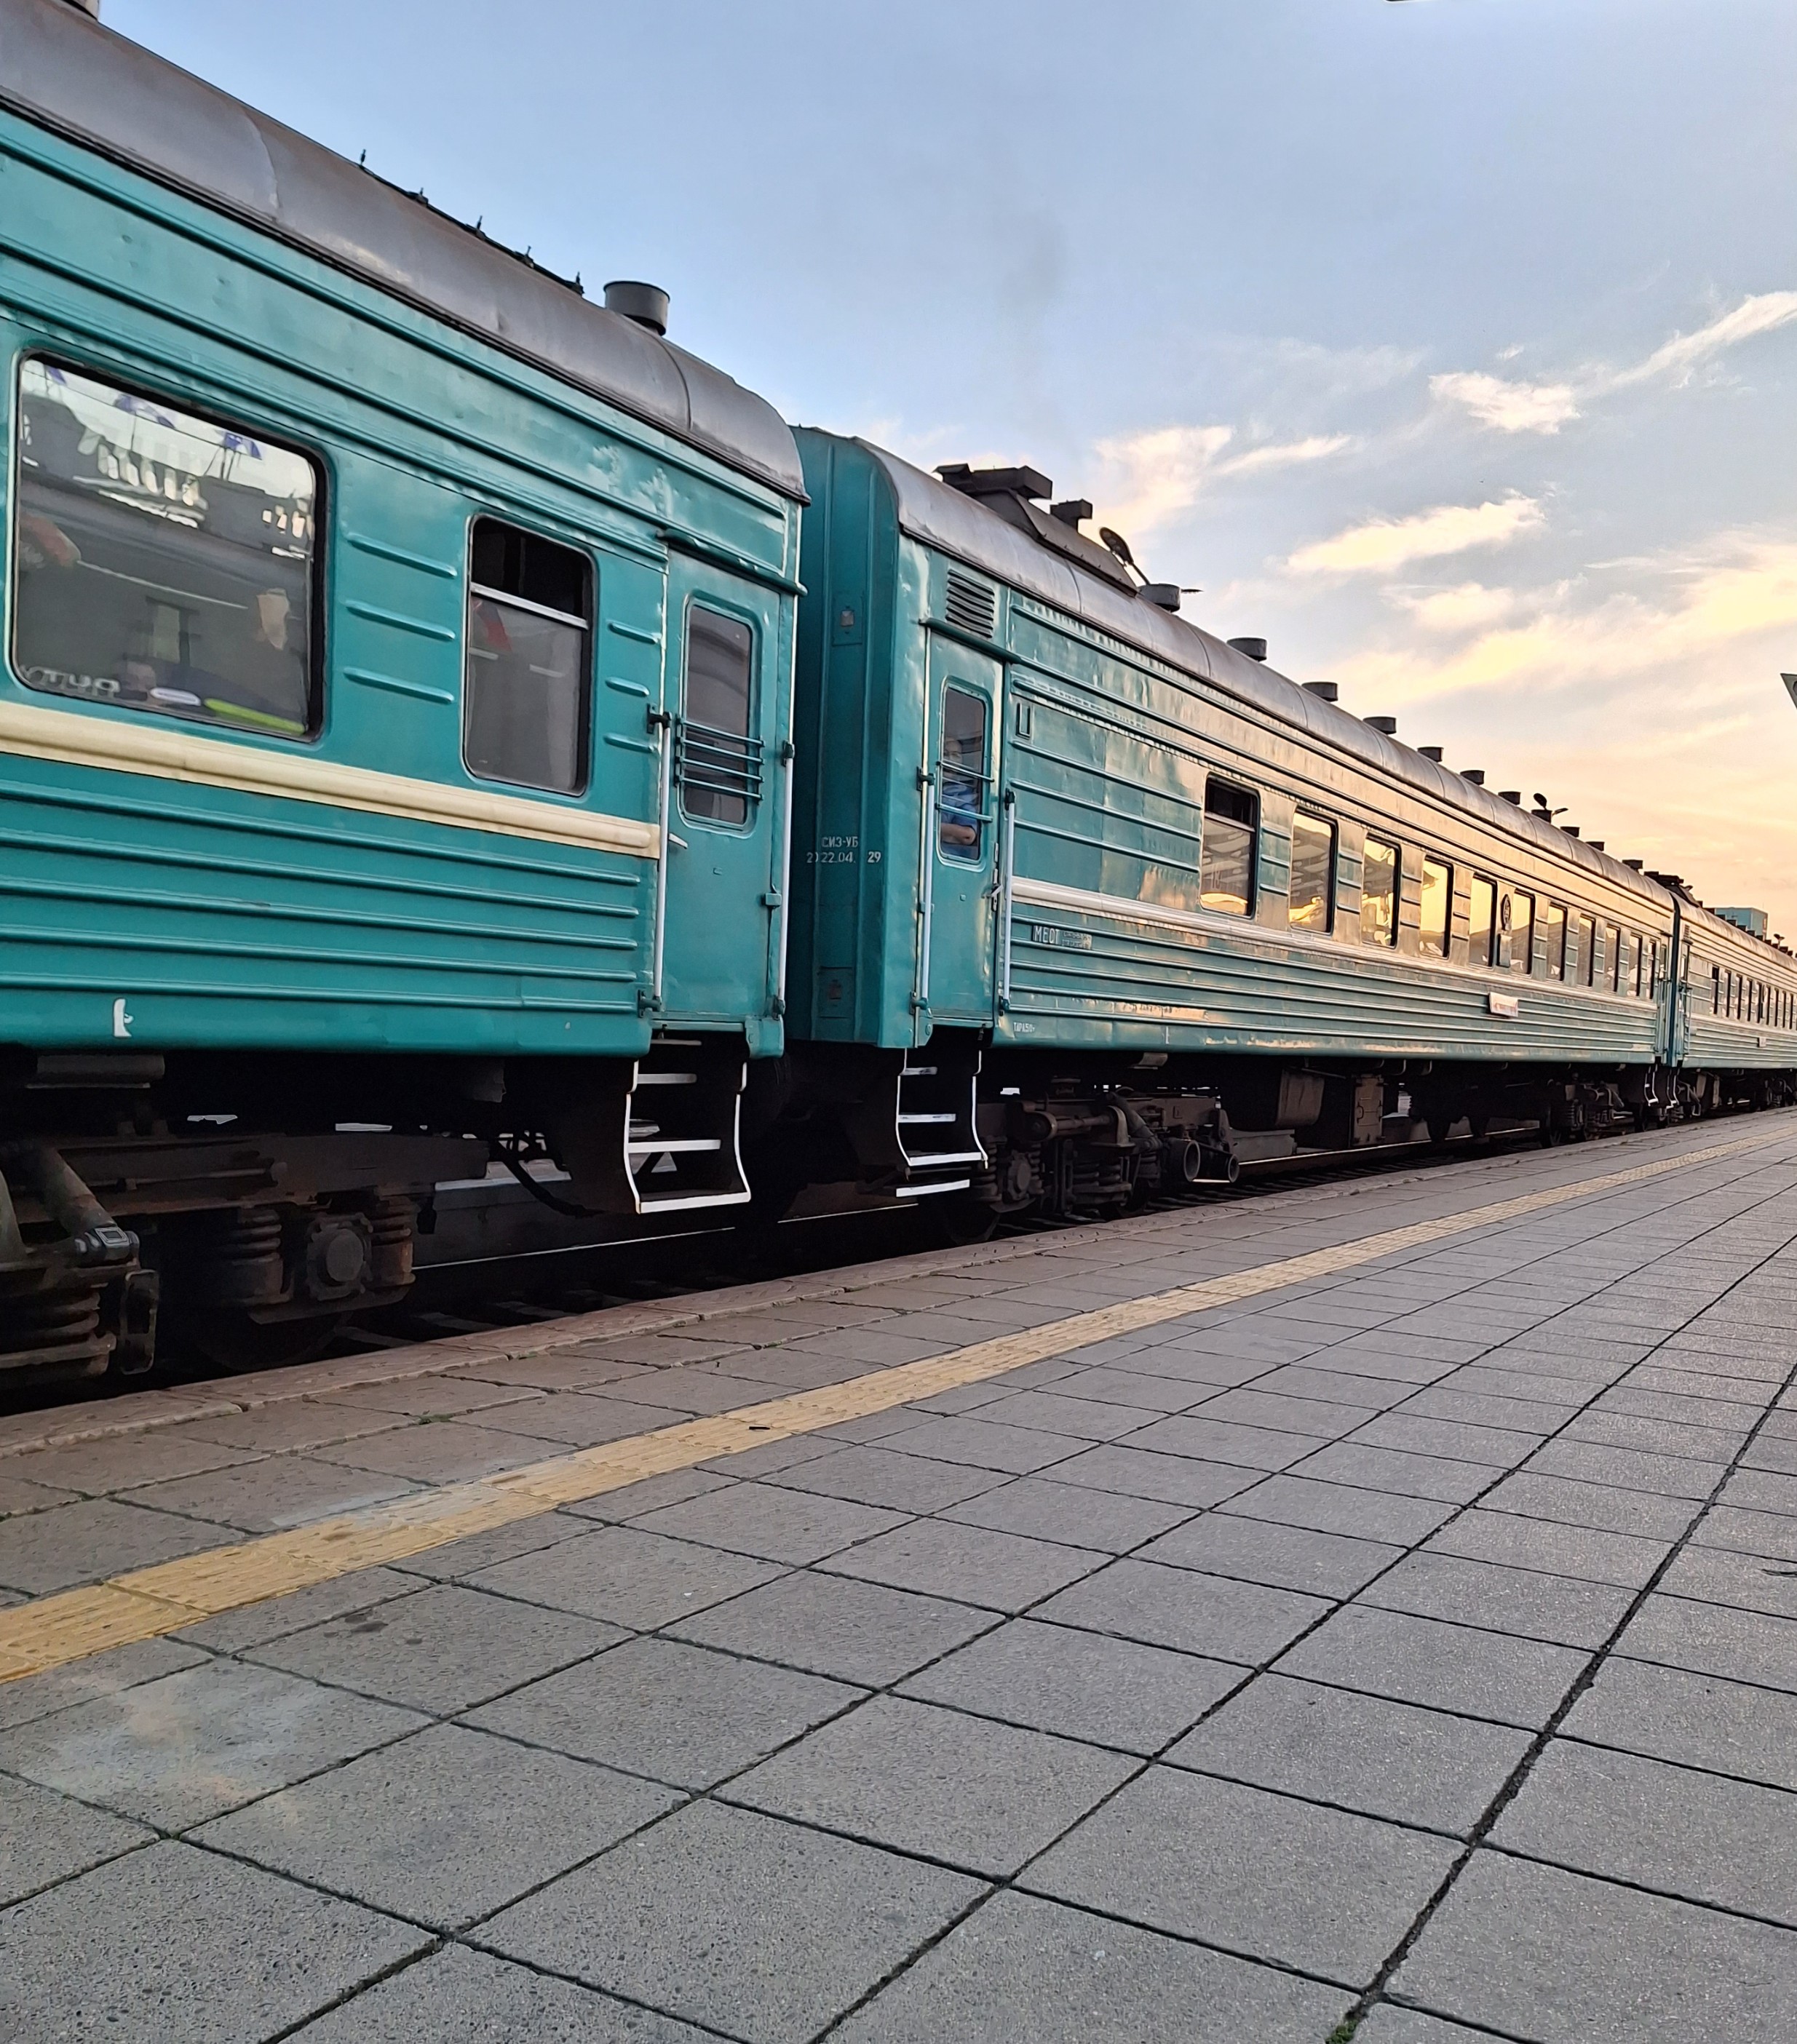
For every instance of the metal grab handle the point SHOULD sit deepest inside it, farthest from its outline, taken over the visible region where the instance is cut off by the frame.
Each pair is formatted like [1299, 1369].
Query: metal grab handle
[787, 753]
[926, 885]
[665, 722]
[1007, 874]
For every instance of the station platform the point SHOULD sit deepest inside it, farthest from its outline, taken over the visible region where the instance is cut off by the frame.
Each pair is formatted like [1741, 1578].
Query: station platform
[1365, 1610]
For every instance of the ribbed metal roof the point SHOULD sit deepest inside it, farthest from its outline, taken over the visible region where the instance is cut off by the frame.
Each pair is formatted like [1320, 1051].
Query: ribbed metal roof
[929, 509]
[65, 71]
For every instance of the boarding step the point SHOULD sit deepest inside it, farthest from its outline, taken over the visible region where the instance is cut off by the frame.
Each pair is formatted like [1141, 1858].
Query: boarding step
[933, 1120]
[682, 1124]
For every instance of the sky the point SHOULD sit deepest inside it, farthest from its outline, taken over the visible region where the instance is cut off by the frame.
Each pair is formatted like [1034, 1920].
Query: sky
[1449, 345]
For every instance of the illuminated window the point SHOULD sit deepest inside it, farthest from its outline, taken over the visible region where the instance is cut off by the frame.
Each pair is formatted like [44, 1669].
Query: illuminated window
[1437, 904]
[1226, 856]
[1312, 874]
[1378, 893]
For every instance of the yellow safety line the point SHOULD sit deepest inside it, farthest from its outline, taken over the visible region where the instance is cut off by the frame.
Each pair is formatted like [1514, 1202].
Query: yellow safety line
[146, 1604]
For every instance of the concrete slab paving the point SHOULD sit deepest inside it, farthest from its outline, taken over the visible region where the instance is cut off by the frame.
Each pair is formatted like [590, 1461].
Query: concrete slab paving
[1170, 1686]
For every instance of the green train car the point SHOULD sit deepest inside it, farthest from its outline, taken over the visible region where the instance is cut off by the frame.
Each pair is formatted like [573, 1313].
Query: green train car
[394, 723]
[1086, 901]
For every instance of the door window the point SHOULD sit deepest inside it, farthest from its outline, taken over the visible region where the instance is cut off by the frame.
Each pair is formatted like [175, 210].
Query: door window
[165, 563]
[718, 759]
[960, 814]
[525, 708]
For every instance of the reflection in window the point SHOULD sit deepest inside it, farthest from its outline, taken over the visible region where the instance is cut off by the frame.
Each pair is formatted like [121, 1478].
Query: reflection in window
[164, 563]
[1437, 900]
[720, 761]
[1581, 950]
[1613, 958]
[1226, 854]
[1552, 946]
[1482, 922]
[961, 829]
[1378, 893]
[1312, 874]
[524, 718]
[1516, 912]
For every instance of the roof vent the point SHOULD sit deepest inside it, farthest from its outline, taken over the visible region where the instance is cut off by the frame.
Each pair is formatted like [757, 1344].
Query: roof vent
[1571, 830]
[1327, 691]
[645, 303]
[1387, 725]
[1634, 865]
[1072, 511]
[1513, 796]
[970, 605]
[1025, 482]
[1475, 774]
[1596, 843]
[1431, 752]
[1163, 595]
[1256, 649]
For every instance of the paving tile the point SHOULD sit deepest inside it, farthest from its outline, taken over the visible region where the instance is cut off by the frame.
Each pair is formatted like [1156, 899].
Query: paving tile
[967, 1563]
[855, 1632]
[1200, 1438]
[615, 1507]
[256, 1624]
[1499, 1447]
[1023, 1968]
[17, 1495]
[1744, 1646]
[1601, 1507]
[1108, 1384]
[440, 1650]
[1388, 2024]
[1641, 1970]
[1369, 1468]
[41, 1551]
[625, 1576]
[981, 1795]
[173, 1945]
[45, 1838]
[1339, 1507]
[1448, 1401]
[1629, 1469]
[1264, 1875]
[190, 1746]
[1064, 1411]
[1329, 1565]
[1079, 1684]
[1181, 1607]
[1589, 1553]
[1713, 1442]
[438, 1451]
[1167, 1479]
[1523, 1601]
[1038, 1507]
[503, 1543]
[437, 1397]
[443, 1828]
[1694, 1720]
[1443, 1667]
[264, 1497]
[100, 1675]
[1369, 1753]
[659, 1708]
[1772, 1534]
[984, 1444]
[704, 1388]
[1730, 1843]
[460, 1996]
[778, 1525]
[1720, 1575]
[869, 1475]
[580, 1418]
[1256, 1405]
[1761, 1490]
[92, 1469]
[797, 1925]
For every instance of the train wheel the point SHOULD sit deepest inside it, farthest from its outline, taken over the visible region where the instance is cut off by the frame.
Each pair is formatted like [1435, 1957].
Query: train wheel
[961, 1223]
[233, 1341]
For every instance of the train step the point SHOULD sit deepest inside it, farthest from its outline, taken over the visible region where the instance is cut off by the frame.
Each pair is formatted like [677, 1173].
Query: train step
[681, 1115]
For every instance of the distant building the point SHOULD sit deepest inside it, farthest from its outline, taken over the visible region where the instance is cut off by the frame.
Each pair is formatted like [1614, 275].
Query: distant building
[1752, 921]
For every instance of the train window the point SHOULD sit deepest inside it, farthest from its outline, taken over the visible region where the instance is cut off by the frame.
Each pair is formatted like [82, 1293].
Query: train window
[1378, 893]
[1516, 916]
[1553, 941]
[1613, 958]
[1581, 950]
[961, 805]
[524, 716]
[1715, 990]
[1312, 874]
[165, 563]
[1226, 854]
[1482, 921]
[718, 757]
[1437, 904]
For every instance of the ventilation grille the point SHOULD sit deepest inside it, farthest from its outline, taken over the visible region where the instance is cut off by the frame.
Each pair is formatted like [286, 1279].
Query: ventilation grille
[971, 606]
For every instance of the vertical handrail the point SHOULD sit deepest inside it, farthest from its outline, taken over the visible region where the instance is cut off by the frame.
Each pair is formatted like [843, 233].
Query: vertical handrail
[665, 723]
[926, 884]
[787, 753]
[1007, 874]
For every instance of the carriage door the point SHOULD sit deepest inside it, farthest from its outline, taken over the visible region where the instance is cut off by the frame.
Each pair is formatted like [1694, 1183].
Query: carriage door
[725, 806]
[958, 852]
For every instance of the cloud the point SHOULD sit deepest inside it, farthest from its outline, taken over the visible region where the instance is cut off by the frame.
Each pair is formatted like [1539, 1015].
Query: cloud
[1285, 454]
[1384, 543]
[1149, 478]
[1512, 408]
[1763, 313]
[1470, 607]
